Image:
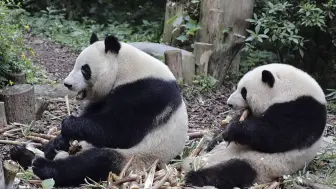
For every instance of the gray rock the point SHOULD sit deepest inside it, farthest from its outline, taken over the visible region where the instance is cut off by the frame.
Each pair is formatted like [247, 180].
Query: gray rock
[156, 49]
[53, 91]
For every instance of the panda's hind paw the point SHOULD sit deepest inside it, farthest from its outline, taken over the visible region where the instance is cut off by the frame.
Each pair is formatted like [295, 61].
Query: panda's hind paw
[22, 155]
[44, 168]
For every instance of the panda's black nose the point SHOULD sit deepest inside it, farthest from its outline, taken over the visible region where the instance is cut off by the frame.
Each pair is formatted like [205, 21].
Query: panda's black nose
[68, 85]
[230, 105]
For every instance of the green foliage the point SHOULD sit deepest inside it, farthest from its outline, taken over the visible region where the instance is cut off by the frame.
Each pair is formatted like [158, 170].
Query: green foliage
[102, 11]
[13, 50]
[53, 25]
[205, 83]
[200, 85]
[300, 33]
[187, 23]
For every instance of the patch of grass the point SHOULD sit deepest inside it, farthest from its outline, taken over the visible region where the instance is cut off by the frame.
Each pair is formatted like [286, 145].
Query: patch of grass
[200, 85]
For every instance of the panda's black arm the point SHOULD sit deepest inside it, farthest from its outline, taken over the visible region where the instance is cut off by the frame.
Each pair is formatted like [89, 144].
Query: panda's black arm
[82, 128]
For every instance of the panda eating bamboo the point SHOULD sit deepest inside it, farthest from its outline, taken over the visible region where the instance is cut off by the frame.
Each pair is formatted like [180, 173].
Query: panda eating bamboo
[135, 109]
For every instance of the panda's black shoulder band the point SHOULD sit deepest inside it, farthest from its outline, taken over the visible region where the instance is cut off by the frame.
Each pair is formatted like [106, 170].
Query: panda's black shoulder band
[112, 44]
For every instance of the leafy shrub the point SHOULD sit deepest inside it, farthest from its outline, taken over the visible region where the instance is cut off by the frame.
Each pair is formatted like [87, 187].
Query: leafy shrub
[300, 33]
[102, 11]
[13, 50]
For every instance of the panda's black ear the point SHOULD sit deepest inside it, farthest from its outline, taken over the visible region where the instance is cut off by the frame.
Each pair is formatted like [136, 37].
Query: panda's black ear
[93, 38]
[268, 78]
[112, 44]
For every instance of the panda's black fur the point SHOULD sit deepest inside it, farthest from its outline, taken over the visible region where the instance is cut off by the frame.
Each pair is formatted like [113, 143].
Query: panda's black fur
[119, 120]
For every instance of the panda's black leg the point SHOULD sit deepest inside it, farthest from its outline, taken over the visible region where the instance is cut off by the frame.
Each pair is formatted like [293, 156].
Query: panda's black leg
[94, 163]
[22, 155]
[233, 173]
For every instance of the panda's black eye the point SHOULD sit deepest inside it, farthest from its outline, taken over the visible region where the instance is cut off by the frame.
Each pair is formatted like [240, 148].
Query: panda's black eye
[86, 71]
[243, 93]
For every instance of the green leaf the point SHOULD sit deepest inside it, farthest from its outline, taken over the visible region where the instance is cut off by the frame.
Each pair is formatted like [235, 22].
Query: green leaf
[301, 52]
[48, 183]
[172, 19]
[145, 22]
[295, 41]
[182, 38]
[178, 21]
[257, 28]
[266, 30]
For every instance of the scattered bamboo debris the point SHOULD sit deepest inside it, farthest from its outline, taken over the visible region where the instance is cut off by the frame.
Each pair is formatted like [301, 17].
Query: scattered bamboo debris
[226, 121]
[38, 139]
[44, 136]
[67, 104]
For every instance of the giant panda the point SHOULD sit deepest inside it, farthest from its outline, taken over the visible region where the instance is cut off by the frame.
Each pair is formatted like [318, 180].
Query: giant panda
[282, 134]
[135, 109]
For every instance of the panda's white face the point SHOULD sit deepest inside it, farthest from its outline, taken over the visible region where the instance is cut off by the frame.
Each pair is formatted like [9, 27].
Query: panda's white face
[273, 83]
[94, 72]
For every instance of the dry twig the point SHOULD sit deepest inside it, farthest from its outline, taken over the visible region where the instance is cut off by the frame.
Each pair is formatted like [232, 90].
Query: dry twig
[38, 139]
[18, 143]
[7, 128]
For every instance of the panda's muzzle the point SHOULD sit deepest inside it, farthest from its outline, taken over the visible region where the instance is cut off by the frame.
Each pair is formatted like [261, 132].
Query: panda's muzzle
[81, 94]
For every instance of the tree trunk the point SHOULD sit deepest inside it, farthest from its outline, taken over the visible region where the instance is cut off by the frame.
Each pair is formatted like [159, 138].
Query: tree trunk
[172, 9]
[3, 120]
[19, 103]
[173, 59]
[218, 16]
[202, 52]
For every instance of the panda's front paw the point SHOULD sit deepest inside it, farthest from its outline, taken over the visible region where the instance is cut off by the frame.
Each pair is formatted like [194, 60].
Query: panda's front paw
[57, 144]
[229, 132]
[44, 168]
[68, 125]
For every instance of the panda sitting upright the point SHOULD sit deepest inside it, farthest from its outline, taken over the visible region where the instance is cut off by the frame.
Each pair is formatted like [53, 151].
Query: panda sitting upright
[135, 109]
[282, 134]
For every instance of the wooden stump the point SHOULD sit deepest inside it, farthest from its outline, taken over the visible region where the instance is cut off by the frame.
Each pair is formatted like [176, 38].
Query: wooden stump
[3, 120]
[2, 176]
[18, 78]
[11, 168]
[173, 59]
[19, 103]
[188, 68]
[202, 52]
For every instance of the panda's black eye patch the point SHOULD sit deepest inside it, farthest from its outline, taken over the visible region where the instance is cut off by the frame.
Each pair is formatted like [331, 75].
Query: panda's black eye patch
[86, 71]
[243, 93]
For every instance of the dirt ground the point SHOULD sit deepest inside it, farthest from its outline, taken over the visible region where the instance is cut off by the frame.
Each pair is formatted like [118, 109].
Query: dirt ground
[204, 111]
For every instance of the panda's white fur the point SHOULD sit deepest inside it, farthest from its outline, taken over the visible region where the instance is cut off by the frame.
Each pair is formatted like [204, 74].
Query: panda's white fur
[113, 71]
[283, 86]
